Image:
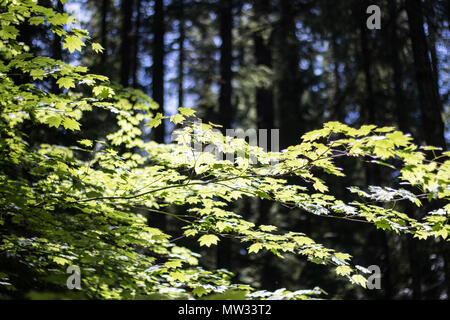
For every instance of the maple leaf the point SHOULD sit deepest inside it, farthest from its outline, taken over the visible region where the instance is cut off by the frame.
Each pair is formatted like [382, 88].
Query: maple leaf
[254, 248]
[156, 121]
[103, 92]
[176, 119]
[97, 47]
[71, 124]
[66, 83]
[73, 43]
[54, 121]
[186, 112]
[208, 240]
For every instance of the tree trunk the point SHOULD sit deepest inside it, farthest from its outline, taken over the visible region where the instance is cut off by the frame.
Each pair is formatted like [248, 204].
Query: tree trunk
[103, 34]
[430, 102]
[445, 252]
[226, 60]
[226, 112]
[137, 29]
[400, 105]
[125, 67]
[448, 12]
[414, 264]
[338, 109]
[263, 57]
[366, 65]
[57, 48]
[158, 64]
[265, 120]
[431, 22]
[288, 77]
[372, 172]
[181, 53]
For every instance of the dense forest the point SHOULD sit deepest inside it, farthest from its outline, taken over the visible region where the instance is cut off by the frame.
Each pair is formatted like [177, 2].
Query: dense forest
[224, 149]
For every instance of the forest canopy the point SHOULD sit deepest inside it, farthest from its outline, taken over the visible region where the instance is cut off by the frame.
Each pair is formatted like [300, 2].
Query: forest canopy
[99, 171]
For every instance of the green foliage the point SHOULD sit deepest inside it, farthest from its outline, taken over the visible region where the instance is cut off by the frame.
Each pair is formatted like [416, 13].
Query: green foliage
[59, 209]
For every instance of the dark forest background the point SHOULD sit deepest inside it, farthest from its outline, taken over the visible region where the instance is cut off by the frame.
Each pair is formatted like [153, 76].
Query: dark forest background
[291, 65]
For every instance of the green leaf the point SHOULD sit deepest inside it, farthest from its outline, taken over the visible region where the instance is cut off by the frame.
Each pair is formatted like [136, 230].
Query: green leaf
[66, 83]
[254, 248]
[60, 260]
[199, 291]
[73, 43]
[442, 233]
[186, 111]
[382, 224]
[221, 226]
[319, 186]
[71, 124]
[103, 92]
[398, 138]
[208, 240]
[359, 279]
[343, 270]
[174, 264]
[60, 19]
[190, 232]
[156, 121]
[37, 74]
[178, 118]
[342, 256]
[267, 228]
[35, 21]
[8, 32]
[97, 47]
[263, 195]
[177, 275]
[54, 121]
[85, 142]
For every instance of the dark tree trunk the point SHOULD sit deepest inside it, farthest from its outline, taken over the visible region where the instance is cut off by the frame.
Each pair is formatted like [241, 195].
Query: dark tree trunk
[415, 266]
[263, 57]
[288, 77]
[181, 53]
[125, 66]
[445, 252]
[226, 112]
[386, 265]
[265, 120]
[137, 29]
[338, 109]
[103, 33]
[400, 103]
[431, 22]
[434, 59]
[264, 96]
[158, 64]
[372, 173]
[159, 221]
[57, 48]
[448, 12]
[403, 117]
[226, 60]
[430, 102]
[366, 65]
